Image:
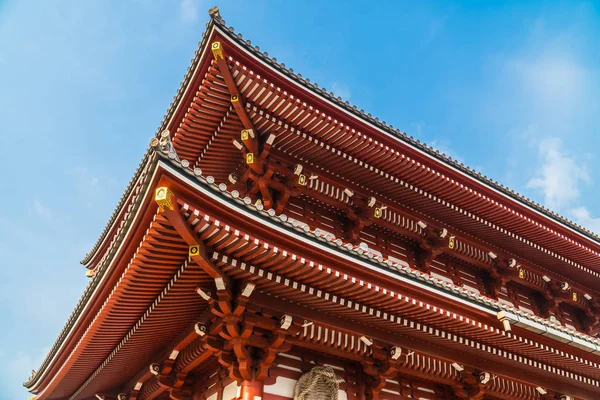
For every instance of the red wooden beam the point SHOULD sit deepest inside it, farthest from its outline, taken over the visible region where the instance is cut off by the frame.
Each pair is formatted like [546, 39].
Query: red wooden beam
[414, 341]
[503, 275]
[197, 252]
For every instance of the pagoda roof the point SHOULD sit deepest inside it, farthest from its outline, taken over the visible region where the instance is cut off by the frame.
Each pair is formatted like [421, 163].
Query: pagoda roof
[217, 23]
[158, 163]
[117, 235]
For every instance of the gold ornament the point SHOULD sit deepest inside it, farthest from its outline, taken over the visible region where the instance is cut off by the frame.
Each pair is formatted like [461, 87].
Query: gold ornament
[163, 198]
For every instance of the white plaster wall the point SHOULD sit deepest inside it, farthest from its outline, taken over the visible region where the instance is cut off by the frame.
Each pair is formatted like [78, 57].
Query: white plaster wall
[231, 391]
[282, 387]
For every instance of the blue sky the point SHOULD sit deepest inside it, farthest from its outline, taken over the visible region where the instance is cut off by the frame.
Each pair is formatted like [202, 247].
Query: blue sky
[512, 90]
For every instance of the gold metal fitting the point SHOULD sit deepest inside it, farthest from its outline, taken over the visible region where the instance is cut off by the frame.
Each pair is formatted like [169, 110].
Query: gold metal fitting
[194, 250]
[521, 273]
[377, 212]
[244, 134]
[89, 273]
[574, 296]
[235, 98]
[302, 180]
[249, 158]
[217, 50]
[154, 142]
[451, 242]
[163, 198]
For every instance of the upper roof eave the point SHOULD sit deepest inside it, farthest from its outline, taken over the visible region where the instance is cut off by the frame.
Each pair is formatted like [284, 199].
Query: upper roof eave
[397, 134]
[216, 21]
[163, 125]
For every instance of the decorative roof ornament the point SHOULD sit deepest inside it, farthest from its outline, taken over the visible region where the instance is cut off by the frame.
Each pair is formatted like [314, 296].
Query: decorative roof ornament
[214, 12]
[164, 145]
[163, 197]
[320, 383]
[217, 51]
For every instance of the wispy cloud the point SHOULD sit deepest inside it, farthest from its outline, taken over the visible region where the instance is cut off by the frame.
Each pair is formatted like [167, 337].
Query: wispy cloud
[42, 211]
[342, 90]
[554, 87]
[444, 146]
[89, 187]
[84, 180]
[188, 10]
[546, 95]
[583, 217]
[559, 175]
[434, 28]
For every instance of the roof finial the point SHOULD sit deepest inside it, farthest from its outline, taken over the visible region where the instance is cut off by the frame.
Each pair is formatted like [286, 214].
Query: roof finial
[214, 12]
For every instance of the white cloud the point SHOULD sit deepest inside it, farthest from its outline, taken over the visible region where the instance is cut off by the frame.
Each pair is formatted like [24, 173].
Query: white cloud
[84, 179]
[554, 87]
[582, 216]
[87, 184]
[559, 175]
[434, 29]
[546, 95]
[443, 146]
[342, 90]
[188, 10]
[42, 211]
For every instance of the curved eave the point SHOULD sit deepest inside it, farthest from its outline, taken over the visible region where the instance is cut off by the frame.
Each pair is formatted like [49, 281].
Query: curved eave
[92, 294]
[95, 252]
[217, 25]
[242, 208]
[299, 233]
[461, 171]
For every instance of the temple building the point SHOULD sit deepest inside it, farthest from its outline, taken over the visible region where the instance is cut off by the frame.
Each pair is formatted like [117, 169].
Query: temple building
[278, 243]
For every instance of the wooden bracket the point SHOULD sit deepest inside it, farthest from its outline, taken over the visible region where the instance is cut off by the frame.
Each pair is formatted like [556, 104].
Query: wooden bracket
[469, 387]
[379, 367]
[432, 243]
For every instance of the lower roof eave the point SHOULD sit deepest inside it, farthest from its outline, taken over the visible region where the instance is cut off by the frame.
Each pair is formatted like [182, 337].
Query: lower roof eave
[482, 304]
[102, 271]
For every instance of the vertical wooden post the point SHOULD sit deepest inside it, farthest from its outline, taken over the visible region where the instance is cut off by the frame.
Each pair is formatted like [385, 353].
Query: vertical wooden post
[252, 390]
[360, 385]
